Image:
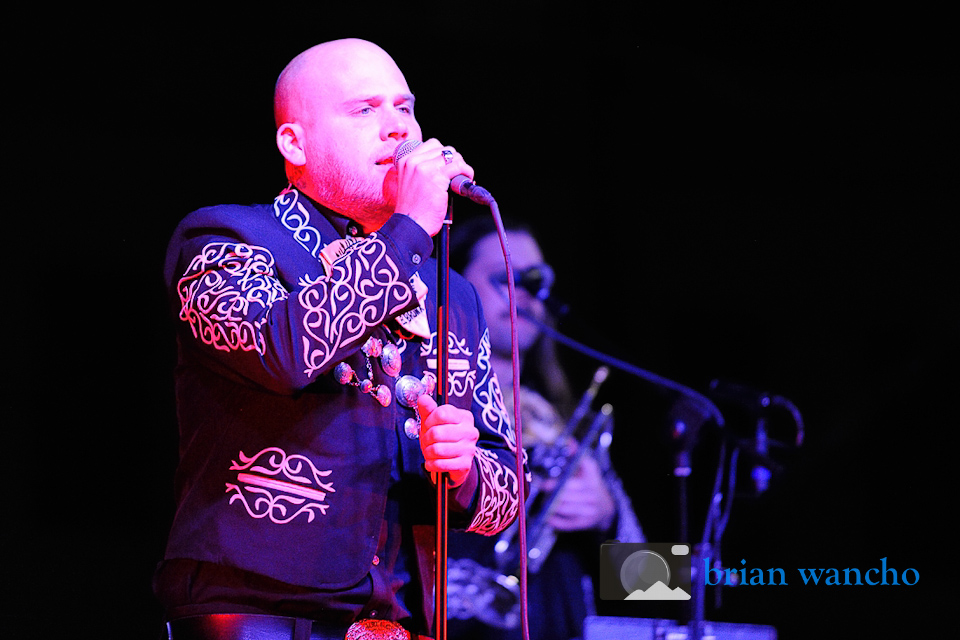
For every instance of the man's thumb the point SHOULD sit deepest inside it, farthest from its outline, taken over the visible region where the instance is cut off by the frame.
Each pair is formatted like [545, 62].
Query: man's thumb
[425, 406]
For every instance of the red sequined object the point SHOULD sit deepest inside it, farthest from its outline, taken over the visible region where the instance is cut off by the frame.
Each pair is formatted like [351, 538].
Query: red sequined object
[377, 630]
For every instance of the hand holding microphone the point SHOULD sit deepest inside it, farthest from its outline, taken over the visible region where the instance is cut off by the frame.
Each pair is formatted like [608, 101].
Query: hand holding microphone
[425, 171]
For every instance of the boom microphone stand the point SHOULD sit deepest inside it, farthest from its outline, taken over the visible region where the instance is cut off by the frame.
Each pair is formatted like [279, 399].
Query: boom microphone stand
[700, 410]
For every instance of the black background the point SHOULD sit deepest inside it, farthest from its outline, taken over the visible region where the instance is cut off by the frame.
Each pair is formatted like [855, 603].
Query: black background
[761, 193]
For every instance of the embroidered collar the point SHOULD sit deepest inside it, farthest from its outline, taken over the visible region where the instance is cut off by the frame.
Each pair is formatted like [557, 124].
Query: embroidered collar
[297, 213]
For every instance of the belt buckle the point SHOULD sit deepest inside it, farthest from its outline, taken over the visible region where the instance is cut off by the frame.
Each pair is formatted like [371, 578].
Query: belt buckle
[376, 630]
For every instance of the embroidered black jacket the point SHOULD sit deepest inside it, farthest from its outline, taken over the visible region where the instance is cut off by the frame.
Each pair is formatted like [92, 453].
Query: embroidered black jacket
[285, 472]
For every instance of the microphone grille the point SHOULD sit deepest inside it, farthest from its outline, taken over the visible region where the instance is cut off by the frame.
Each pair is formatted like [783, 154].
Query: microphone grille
[405, 147]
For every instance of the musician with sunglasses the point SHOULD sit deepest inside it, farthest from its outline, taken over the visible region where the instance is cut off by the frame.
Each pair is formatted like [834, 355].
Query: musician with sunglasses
[589, 508]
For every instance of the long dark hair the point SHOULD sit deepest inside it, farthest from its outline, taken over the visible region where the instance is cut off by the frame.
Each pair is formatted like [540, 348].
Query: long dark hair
[542, 370]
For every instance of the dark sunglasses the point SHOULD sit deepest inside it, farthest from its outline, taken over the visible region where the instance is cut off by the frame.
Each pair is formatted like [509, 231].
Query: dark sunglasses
[536, 280]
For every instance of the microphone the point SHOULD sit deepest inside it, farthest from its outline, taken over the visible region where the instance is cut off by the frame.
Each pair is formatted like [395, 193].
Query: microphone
[460, 185]
[740, 394]
[757, 402]
[687, 416]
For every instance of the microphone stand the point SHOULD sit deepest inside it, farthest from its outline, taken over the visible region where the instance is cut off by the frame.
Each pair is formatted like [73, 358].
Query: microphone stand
[706, 411]
[443, 478]
[462, 186]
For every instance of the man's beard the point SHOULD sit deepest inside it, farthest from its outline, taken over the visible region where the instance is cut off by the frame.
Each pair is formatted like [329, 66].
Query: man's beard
[347, 194]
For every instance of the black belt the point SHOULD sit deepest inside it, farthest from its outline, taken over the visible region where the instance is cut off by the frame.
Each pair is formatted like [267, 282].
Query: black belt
[245, 626]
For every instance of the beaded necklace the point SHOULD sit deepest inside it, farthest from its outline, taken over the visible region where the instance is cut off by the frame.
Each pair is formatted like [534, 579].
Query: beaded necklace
[407, 388]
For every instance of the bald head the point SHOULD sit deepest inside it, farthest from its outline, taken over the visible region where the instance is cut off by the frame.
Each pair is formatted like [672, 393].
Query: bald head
[309, 76]
[341, 109]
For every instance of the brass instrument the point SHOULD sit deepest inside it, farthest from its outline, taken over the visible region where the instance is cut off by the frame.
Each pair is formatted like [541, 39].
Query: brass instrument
[493, 596]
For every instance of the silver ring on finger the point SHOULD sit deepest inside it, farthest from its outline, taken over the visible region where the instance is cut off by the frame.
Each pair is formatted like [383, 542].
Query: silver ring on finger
[447, 156]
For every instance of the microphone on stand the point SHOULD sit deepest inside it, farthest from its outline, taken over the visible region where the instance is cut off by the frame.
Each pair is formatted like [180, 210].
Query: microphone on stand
[759, 403]
[462, 185]
[740, 394]
[687, 417]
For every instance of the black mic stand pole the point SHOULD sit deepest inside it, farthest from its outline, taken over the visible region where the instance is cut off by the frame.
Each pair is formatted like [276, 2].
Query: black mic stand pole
[464, 187]
[443, 478]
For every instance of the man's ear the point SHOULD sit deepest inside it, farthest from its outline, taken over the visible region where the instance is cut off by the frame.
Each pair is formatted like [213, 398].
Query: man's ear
[290, 143]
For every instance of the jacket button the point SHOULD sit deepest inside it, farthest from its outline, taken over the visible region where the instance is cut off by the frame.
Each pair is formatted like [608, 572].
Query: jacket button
[376, 560]
[416, 258]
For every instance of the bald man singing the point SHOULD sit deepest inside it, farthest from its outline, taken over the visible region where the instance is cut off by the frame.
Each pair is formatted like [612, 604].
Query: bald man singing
[307, 359]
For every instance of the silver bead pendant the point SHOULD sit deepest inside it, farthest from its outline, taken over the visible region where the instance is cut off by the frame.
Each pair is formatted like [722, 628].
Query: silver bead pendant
[411, 428]
[409, 389]
[391, 360]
